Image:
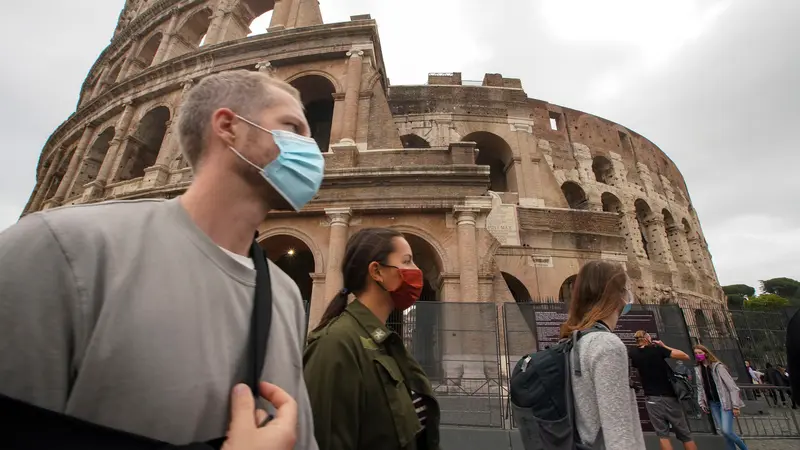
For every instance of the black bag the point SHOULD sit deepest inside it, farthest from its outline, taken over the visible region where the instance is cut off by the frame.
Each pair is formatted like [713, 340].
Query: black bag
[25, 426]
[541, 396]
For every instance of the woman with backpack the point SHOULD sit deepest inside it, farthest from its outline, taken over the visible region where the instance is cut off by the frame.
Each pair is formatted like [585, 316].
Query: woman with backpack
[605, 403]
[717, 393]
[366, 390]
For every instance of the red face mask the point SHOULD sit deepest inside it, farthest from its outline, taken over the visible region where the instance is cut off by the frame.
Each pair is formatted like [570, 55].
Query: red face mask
[409, 290]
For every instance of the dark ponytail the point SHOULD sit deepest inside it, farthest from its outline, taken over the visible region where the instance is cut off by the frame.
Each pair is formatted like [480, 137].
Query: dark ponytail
[364, 247]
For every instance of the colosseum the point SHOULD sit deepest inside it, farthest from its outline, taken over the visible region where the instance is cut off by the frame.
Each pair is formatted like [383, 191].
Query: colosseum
[502, 196]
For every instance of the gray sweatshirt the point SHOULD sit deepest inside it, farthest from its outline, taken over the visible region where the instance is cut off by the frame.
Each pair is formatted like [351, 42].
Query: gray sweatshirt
[127, 315]
[603, 396]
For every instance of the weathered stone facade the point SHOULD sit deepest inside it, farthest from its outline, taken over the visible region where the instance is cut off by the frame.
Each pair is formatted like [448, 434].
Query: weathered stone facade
[503, 197]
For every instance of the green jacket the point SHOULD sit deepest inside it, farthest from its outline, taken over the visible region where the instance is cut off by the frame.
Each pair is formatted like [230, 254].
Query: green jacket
[359, 374]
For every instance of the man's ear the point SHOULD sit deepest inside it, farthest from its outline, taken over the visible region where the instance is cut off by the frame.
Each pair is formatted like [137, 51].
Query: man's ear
[223, 124]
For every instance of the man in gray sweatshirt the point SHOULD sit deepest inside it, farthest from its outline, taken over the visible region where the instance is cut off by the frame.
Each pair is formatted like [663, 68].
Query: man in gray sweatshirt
[135, 315]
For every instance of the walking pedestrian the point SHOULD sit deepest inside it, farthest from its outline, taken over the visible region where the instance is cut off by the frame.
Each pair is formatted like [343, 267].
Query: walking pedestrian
[367, 391]
[136, 315]
[718, 394]
[605, 403]
[662, 404]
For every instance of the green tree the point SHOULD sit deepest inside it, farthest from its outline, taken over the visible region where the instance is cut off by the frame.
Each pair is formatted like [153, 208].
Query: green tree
[737, 294]
[785, 287]
[766, 302]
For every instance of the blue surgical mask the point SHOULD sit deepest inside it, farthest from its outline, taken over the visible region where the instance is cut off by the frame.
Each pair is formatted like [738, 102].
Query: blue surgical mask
[628, 303]
[296, 174]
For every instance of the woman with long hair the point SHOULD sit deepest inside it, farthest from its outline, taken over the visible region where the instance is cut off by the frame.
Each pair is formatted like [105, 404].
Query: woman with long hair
[366, 390]
[717, 392]
[605, 404]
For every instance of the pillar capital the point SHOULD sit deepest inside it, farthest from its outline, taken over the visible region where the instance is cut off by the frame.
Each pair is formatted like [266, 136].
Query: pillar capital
[265, 66]
[354, 53]
[187, 84]
[339, 216]
[466, 215]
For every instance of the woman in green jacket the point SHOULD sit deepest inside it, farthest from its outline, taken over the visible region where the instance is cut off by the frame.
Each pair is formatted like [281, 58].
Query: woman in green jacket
[367, 392]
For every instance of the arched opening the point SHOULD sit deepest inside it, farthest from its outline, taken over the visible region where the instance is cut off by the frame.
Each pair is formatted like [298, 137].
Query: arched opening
[565, 293]
[148, 52]
[518, 290]
[316, 93]
[414, 141]
[142, 147]
[294, 257]
[494, 151]
[110, 78]
[576, 197]
[58, 175]
[420, 325]
[191, 34]
[261, 23]
[611, 203]
[603, 170]
[92, 161]
[644, 216]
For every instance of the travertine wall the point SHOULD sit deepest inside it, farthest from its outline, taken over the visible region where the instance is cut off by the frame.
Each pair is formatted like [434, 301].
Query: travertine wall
[502, 196]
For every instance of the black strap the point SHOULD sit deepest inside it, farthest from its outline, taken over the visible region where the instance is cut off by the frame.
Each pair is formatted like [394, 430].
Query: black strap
[261, 319]
[25, 426]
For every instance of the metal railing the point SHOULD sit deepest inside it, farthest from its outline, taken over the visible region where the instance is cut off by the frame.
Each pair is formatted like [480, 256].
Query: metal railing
[768, 413]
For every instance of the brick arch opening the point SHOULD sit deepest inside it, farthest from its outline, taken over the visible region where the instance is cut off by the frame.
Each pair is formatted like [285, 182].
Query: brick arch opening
[295, 258]
[316, 93]
[142, 147]
[575, 195]
[494, 151]
[148, 51]
[92, 161]
[191, 33]
[567, 288]
[517, 288]
[603, 170]
[611, 203]
[414, 141]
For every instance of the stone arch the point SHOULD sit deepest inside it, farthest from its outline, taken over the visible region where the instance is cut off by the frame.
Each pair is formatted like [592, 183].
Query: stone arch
[575, 195]
[191, 32]
[92, 160]
[495, 152]
[321, 73]
[294, 257]
[603, 170]
[518, 290]
[565, 291]
[142, 147]
[611, 203]
[372, 81]
[414, 141]
[440, 252]
[61, 162]
[316, 93]
[109, 78]
[147, 52]
[319, 264]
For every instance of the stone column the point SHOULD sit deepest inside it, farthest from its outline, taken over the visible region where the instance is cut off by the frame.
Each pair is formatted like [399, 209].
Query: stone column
[97, 186]
[658, 236]
[696, 249]
[158, 173]
[340, 226]
[467, 253]
[352, 90]
[45, 180]
[72, 169]
[629, 218]
[680, 248]
[163, 47]
[280, 15]
[215, 28]
[318, 302]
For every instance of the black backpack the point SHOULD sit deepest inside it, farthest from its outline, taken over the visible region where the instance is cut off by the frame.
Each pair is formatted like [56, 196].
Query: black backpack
[541, 396]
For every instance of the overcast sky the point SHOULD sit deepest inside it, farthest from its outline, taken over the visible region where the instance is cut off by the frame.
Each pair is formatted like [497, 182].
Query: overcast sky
[714, 83]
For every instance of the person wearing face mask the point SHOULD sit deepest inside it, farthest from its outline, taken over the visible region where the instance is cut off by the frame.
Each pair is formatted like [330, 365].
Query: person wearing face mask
[606, 414]
[367, 391]
[139, 316]
[718, 394]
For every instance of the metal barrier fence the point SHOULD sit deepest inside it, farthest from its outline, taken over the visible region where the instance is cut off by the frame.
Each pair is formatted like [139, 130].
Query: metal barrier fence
[457, 344]
[768, 413]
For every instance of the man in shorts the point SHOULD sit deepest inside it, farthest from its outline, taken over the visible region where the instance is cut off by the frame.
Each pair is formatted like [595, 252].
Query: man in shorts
[663, 406]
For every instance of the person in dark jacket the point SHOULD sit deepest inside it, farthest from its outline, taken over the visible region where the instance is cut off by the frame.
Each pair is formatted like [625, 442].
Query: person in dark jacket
[366, 390]
[793, 355]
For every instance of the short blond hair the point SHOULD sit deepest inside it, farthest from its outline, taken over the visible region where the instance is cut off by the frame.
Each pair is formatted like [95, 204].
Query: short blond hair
[246, 93]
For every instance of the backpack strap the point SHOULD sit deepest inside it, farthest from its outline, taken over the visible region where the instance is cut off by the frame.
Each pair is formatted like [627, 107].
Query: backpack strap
[261, 319]
[576, 336]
